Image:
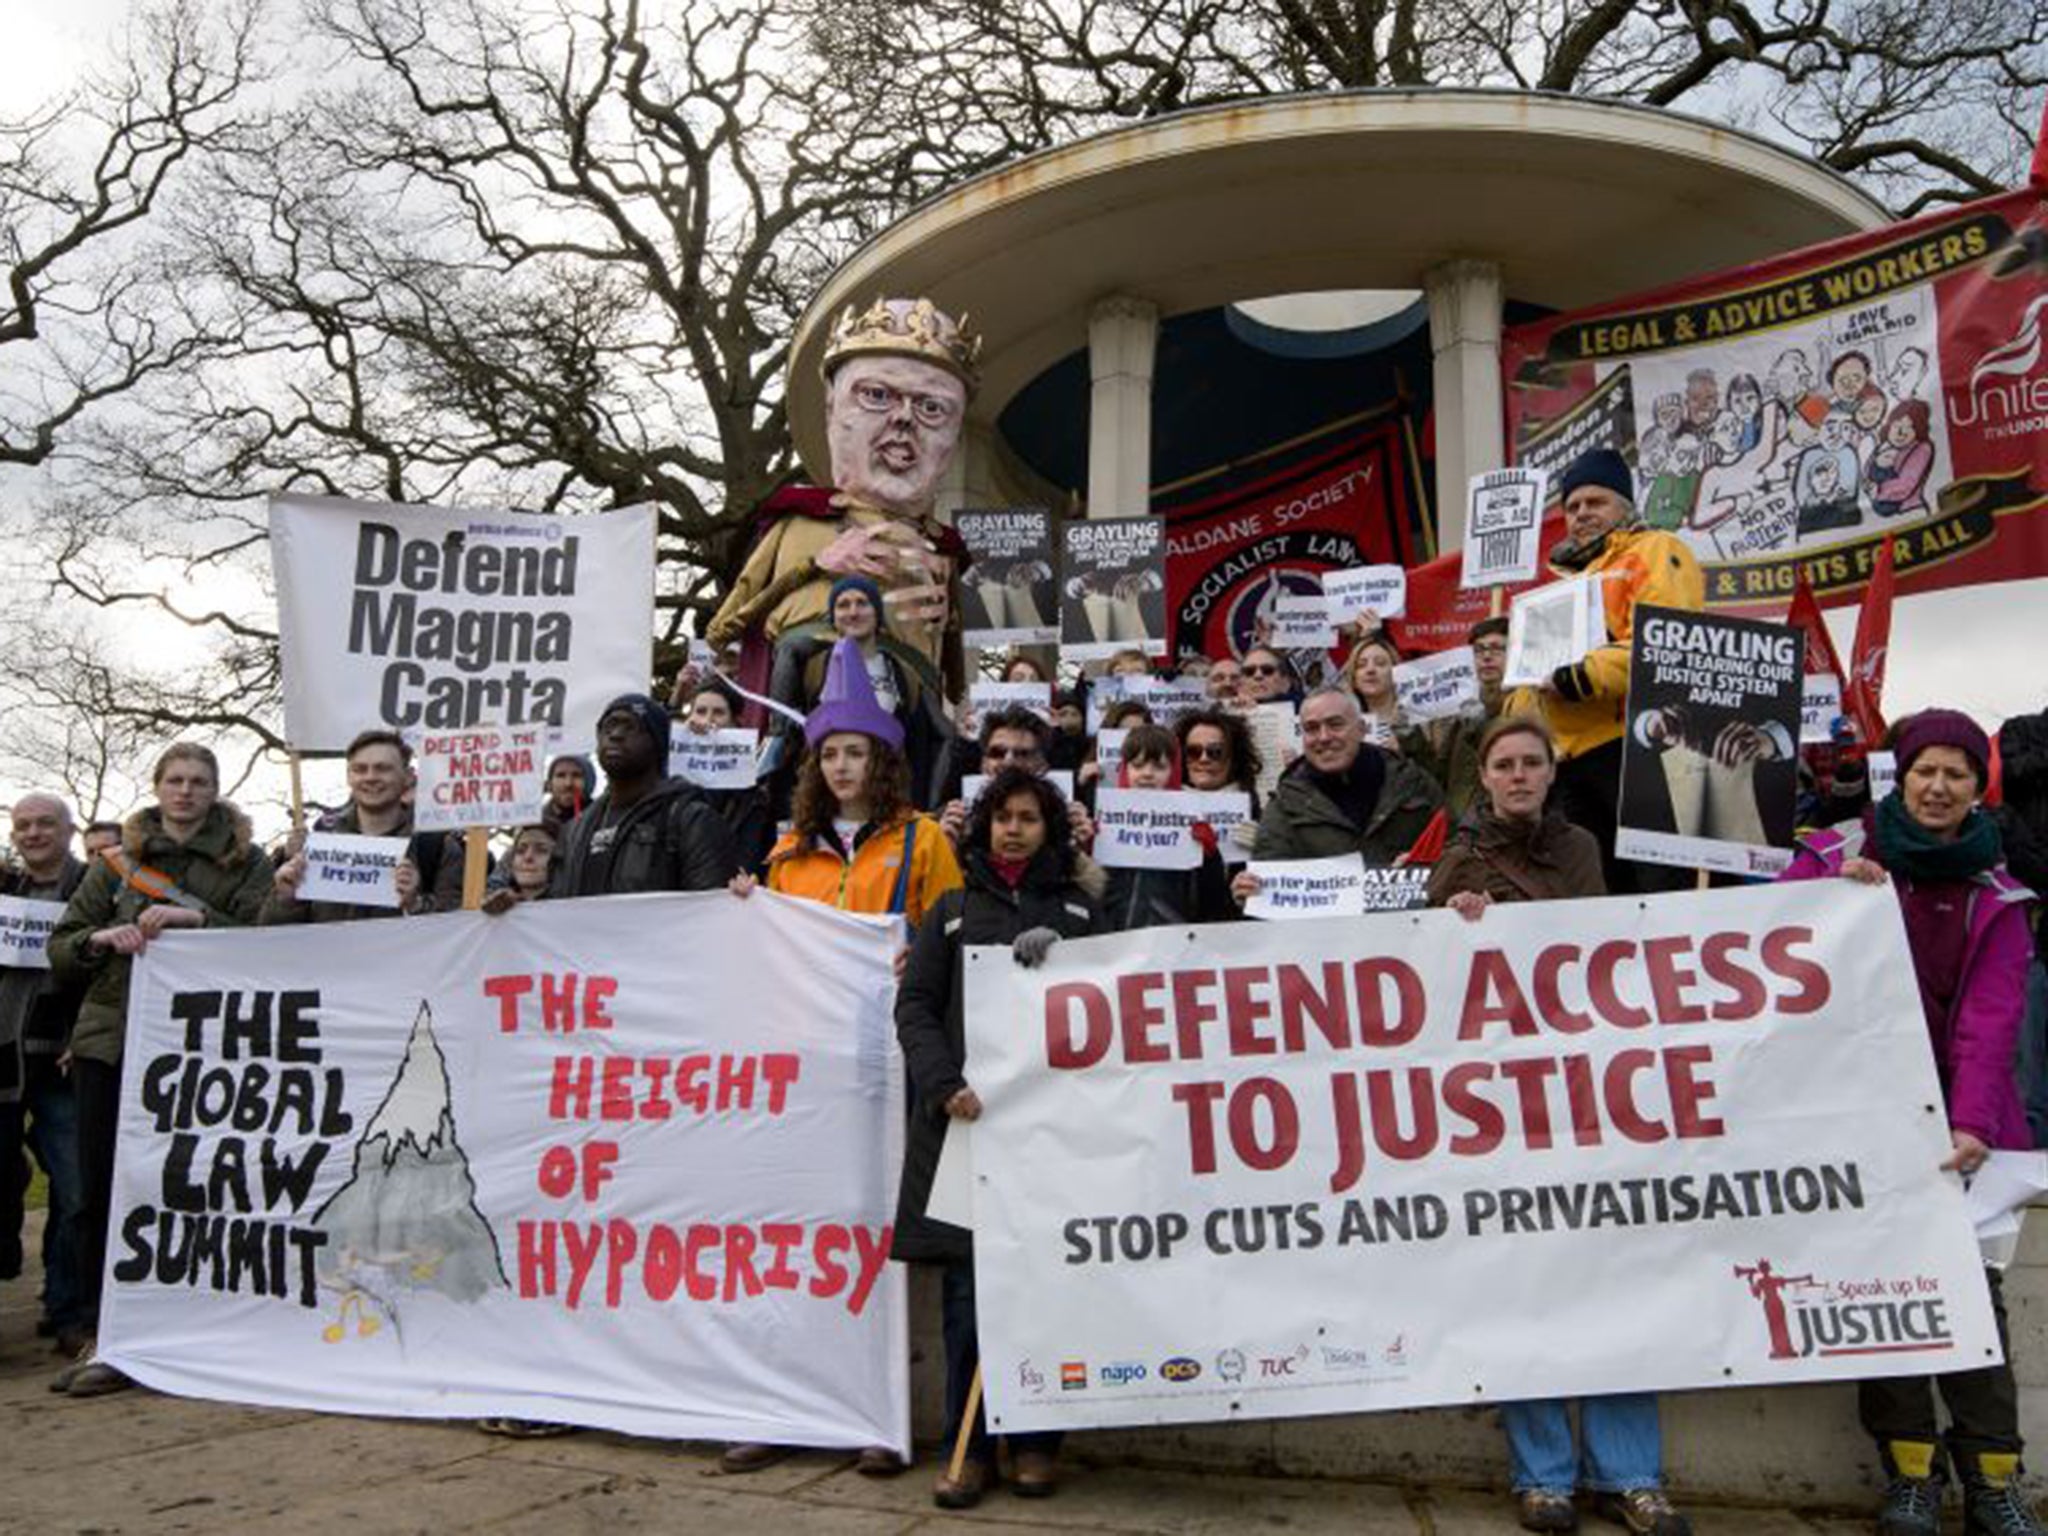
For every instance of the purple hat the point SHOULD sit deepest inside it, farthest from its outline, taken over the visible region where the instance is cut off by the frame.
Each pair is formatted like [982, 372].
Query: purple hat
[1942, 728]
[848, 702]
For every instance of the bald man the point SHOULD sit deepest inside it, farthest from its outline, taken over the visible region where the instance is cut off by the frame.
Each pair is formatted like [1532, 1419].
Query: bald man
[38, 1112]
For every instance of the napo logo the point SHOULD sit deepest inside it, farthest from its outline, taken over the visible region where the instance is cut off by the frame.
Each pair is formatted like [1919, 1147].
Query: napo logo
[1179, 1368]
[1230, 1365]
[1073, 1375]
[1122, 1373]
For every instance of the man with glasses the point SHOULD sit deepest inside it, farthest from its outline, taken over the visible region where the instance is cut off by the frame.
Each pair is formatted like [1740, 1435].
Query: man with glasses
[1268, 678]
[1011, 737]
[1457, 741]
[898, 379]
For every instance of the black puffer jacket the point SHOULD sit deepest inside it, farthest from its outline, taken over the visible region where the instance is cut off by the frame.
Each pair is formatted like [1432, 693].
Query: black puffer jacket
[671, 840]
[930, 1012]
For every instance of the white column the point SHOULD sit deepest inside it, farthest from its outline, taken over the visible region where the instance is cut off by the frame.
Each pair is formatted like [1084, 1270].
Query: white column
[1123, 338]
[1465, 300]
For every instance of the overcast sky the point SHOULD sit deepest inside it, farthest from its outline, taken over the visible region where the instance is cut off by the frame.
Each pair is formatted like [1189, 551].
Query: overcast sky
[1977, 649]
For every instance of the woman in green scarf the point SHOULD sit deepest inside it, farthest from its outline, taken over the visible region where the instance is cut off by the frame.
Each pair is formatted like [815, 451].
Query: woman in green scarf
[1966, 928]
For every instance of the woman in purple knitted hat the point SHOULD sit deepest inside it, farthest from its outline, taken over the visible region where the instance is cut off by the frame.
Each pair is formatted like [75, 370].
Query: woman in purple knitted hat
[1966, 927]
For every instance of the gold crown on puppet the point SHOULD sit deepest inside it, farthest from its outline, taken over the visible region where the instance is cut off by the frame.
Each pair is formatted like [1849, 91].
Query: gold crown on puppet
[905, 328]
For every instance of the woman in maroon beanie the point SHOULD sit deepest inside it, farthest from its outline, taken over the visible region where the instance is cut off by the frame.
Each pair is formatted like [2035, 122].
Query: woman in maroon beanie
[1966, 926]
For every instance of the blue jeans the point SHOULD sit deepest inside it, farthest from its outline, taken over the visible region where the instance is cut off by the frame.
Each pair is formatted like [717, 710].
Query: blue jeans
[2032, 1067]
[53, 1138]
[1624, 1443]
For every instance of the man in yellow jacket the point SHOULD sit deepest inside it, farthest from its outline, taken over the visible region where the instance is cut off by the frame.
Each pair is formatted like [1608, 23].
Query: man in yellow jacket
[1585, 703]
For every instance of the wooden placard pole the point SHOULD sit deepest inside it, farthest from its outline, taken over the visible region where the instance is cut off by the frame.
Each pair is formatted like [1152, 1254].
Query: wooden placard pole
[476, 861]
[960, 1441]
[298, 799]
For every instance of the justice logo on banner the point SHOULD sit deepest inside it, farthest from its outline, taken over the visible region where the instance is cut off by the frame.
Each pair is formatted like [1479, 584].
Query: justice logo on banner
[545, 1165]
[1791, 414]
[1112, 587]
[1263, 1170]
[417, 618]
[1008, 595]
[1710, 758]
[488, 777]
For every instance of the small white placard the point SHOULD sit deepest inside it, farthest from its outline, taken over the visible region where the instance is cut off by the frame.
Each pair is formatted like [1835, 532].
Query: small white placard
[1820, 705]
[727, 759]
[952, 1194]
[1438, 687]
[1381, 590]
[1342, 886]
[1302, 623]
[355, 871]
[1109, 753]
[1884, 774]
[25, 926]
[985, 698]
[1153, 828]
[1553, 626]
[1503, 527]
[1276, 732]
[486, 776]
[1061, 779]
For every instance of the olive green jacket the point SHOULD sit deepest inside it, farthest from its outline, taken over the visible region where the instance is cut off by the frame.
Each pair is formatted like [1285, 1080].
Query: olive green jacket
[219, 865]
[1301, 822]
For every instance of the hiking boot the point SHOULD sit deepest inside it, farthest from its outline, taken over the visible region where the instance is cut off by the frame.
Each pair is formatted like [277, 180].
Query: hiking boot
[1912, 1499]
[1546, 1509]
[96, 1378]
[1993, 1504]
[1643, 1511]
[80, 1359]
[880, 1461]
[1034, 1474]
[750, 1457]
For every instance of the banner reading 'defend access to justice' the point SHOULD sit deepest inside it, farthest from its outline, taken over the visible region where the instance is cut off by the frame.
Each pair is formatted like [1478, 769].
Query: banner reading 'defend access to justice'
[419, 618]
[552, 1165]
[1267, 1170]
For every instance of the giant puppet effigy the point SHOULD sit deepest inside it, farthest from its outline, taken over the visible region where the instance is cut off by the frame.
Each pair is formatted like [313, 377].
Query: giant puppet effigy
[898, 378]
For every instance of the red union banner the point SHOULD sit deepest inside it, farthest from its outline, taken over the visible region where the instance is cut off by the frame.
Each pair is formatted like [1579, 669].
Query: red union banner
[1792, 413]
[1231, 555]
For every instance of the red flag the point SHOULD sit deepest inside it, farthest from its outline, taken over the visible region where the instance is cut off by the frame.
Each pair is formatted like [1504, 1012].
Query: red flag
[1804, 615]
[1430, 846]
[1863, 689]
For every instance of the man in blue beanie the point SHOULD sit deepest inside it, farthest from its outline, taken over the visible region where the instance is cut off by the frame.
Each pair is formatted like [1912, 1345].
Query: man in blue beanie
[1583, 703]
[647, 831]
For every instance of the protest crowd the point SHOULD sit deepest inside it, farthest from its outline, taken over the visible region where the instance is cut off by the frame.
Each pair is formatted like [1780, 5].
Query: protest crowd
[996, 813]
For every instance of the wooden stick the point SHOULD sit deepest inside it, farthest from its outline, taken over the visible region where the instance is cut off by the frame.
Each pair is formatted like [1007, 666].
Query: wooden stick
[1706, 879]
[959, 1462]
[1497, 599]
[476, 858]
[298, 796]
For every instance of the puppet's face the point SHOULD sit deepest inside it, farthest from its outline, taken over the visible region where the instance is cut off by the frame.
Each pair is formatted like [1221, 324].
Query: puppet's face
[893, 424]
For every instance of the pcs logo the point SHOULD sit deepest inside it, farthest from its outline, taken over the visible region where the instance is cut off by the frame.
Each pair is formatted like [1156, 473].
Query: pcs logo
[1179, 1368]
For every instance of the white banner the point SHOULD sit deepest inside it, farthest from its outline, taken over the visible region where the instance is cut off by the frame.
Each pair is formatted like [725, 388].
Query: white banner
[25, 926]
[550, 1165]
[356, 871]
[715, 760]
[488, 776]
[420, 618]
[1438, 687]
[1262, 1170]
[1380, 590]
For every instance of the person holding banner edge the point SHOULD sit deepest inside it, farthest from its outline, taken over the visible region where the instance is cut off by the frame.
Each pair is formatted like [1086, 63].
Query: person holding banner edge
[1027, 884]
[189, 861]
[1583, 702]
[1967, 929]
[1512, 845]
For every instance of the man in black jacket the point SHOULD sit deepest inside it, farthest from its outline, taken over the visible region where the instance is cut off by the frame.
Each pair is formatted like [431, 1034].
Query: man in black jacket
[38, 1112]
[647, 831]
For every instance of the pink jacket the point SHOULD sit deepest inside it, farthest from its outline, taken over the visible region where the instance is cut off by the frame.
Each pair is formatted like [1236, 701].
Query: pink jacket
[1975, 1045]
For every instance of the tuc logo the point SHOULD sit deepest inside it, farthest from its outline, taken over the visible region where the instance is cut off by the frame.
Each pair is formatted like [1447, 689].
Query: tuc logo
[1122, 1373]
[1179, 1368]
[1073, 1375]
[1807, 1317]
[1283, 1365]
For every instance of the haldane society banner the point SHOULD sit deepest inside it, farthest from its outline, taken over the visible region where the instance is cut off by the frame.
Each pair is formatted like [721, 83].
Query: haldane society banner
[1262, 1170]
[419, 618]
[547, 1165]
[1799, 410]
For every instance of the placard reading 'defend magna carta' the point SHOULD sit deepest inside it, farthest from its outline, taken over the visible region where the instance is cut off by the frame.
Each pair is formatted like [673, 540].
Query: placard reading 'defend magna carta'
[419, 618]
[1264, 1170]
[548, 1164]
